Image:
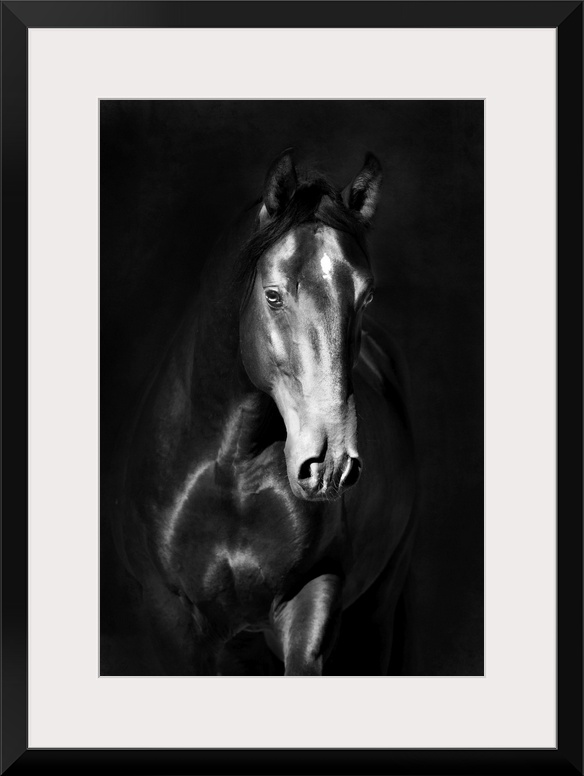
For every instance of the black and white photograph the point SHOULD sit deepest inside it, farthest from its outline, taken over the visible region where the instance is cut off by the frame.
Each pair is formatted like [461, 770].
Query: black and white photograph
[293, 348]
[291, 387]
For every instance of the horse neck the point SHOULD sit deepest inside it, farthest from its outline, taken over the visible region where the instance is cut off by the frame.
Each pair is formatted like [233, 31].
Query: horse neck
[223, 406]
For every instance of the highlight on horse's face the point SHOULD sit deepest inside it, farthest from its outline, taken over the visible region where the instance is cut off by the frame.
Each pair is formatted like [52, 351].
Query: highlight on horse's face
[300, 332]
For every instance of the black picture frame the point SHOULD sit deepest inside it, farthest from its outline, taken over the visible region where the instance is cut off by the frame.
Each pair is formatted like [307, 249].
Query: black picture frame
[20, 15]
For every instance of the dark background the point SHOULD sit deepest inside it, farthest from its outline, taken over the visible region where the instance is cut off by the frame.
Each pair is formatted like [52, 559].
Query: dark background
[175, 173]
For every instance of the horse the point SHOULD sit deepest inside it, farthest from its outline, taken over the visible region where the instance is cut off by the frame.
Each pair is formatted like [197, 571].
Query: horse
[263, 506]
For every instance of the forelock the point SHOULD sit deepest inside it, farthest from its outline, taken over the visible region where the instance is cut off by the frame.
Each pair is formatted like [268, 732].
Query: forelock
[315, 201]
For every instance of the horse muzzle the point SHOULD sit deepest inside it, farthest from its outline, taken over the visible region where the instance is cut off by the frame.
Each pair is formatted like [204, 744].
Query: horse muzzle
[321, 457]
[325, 480]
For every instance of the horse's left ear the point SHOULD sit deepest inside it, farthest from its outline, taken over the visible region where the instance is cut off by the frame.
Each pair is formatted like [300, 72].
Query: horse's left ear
[280, 183]
[364, 191]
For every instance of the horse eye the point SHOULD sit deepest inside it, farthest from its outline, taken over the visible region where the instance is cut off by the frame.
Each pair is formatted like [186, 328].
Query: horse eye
[369, 299]
[273, 298]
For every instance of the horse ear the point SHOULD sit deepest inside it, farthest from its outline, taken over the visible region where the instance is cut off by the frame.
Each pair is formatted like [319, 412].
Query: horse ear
[364, 191]
[280, 183]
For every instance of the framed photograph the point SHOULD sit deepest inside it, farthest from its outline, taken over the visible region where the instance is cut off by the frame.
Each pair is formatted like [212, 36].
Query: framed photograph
[286, 453]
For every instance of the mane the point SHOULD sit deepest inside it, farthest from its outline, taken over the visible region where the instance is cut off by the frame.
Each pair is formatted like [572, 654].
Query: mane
[314, 201]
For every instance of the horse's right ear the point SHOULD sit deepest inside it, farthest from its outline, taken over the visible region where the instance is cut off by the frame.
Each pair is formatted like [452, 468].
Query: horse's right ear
[364, 191]
[280, 184]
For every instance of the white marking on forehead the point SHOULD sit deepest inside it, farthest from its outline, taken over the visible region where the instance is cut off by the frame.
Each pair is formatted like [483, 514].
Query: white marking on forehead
[330, 254]
[332, 257]
[326, 265]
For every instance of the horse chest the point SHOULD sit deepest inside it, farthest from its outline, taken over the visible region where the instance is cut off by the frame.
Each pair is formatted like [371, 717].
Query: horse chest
[234, 540]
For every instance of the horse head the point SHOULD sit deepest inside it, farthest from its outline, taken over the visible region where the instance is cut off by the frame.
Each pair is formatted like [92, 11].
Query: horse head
[301, 318]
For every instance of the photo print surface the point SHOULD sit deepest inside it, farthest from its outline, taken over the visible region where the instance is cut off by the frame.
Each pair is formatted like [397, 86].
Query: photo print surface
[291, 398]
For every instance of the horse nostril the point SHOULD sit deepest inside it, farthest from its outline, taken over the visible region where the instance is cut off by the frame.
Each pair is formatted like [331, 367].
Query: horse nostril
[353, 473]
[304, 472]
